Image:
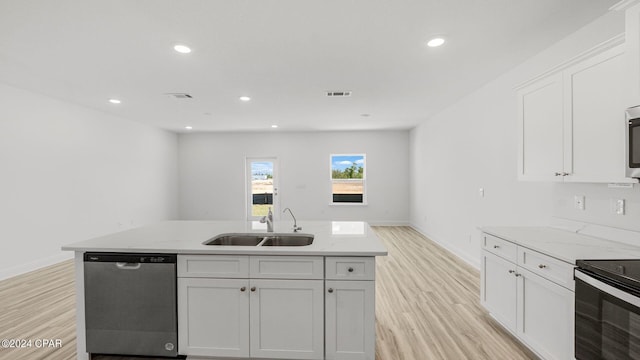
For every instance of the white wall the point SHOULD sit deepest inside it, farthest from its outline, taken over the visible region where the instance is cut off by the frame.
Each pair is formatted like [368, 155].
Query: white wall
[473, 144]
[212, 173]
[69, 173]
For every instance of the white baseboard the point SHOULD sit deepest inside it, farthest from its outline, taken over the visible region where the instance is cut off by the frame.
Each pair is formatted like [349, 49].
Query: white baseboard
[34, 265]
[389, 223]
[452, 249]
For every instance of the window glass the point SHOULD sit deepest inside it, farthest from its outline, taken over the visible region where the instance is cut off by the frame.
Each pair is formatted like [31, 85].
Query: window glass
[348, 178]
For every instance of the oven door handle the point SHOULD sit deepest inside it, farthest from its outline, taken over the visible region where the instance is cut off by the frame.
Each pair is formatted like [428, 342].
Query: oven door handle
[606, 288]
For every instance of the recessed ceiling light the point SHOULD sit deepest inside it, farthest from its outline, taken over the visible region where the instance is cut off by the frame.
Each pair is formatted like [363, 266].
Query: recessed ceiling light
[244, 98]
[183, 49]
[115, 101]
[188, 127]
[274, 126]
[435, 42]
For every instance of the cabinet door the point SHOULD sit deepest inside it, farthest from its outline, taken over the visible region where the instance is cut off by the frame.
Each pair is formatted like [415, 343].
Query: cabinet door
[287, 319]
[632, 53]
[540, 126]
[213, 317]
[595, 93]
[545, 316]
[350, 320]
[498, 288]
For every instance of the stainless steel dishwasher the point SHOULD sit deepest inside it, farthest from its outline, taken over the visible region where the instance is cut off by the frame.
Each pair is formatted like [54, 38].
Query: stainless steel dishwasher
[130, 304]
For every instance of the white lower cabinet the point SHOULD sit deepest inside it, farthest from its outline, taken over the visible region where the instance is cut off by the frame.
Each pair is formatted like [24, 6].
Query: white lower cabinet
[286, 319]
[251, 318]
[214, 317]
[350, 320]
[537, 310]
[498, 290]
[545, 316]
[276, 307]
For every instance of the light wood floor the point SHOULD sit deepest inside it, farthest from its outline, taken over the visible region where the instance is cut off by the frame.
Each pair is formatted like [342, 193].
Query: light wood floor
[39, 305]
[427, 307]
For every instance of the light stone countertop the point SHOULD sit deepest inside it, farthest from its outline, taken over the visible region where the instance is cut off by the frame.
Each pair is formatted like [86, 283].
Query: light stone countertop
[331, 238]
[565, 245]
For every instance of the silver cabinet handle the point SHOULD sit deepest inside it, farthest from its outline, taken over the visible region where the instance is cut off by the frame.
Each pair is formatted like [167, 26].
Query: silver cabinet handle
[542, 266]
[243, 288]
[330, 290]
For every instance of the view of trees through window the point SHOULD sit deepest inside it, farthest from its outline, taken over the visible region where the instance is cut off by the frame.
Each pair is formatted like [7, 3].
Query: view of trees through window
[348, 178]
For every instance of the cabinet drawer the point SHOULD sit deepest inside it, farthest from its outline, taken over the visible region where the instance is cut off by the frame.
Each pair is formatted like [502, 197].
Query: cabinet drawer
[219, 266]
[350, 268]
[286, 267]
[549, 268]
[502, 248]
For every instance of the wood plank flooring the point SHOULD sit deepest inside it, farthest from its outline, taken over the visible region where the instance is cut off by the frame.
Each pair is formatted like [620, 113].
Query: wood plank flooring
[427, 307]
[39, 305]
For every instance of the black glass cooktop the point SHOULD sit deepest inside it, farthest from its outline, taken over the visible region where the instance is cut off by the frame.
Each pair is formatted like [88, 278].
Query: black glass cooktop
[626, 272]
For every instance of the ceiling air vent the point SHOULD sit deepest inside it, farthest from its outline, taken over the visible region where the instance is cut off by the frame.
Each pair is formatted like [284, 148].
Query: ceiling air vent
[338, 93]
[179, 95]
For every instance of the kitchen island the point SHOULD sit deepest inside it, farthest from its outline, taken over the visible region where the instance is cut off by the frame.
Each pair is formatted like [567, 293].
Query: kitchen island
[285, 302]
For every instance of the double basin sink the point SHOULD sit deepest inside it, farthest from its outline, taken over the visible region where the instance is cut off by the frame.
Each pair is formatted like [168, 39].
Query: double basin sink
[268, 239]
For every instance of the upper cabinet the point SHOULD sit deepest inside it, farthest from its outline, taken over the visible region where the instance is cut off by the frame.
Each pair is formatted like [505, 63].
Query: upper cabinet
[571, 121]
[540, 120]
[594, 97]
[632, 48]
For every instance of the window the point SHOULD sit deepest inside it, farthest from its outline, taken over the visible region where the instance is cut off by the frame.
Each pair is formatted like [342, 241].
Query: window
[348, 177]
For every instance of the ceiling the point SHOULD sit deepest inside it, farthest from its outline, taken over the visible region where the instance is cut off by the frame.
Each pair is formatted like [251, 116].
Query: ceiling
[284, 54]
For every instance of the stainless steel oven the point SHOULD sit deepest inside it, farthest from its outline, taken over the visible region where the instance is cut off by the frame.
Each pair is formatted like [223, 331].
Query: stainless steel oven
[633, 142]
[607, 309]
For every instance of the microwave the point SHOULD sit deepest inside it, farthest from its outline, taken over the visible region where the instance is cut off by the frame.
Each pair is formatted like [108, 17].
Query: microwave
[633, 142]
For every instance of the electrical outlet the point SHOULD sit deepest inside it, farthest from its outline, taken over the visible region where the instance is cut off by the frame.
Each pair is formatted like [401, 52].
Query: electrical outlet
[619, 206]
[578, 202]
[481, 192]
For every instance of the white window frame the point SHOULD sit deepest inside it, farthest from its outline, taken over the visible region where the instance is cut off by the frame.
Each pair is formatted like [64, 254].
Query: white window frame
[364, 180]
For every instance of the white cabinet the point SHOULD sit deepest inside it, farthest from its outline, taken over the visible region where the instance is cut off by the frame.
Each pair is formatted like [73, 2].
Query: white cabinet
[213, 316]
[350, 320]
[594, 111]
[350, 308]
[287, 318]
[545, 318]
[498, 289]
[571, 122]
[540, 120]
[531, 297]
[632, 49]
[259, 315]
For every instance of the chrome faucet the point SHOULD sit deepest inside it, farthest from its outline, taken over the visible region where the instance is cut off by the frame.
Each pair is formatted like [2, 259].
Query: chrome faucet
[295, 224]
[269, 220]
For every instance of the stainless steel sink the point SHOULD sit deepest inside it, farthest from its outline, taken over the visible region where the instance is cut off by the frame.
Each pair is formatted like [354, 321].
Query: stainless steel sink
[256, 239]
[288, 240]
[236, 240]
